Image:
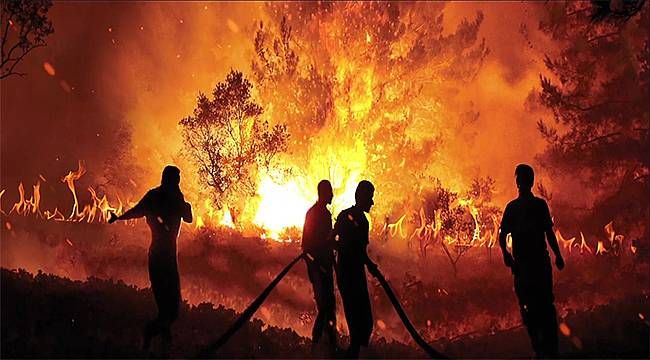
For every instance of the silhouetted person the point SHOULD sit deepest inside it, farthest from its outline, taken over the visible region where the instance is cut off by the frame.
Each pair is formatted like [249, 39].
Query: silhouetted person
[352, 229]
[319, 245]
[163, 207]
[528, 220]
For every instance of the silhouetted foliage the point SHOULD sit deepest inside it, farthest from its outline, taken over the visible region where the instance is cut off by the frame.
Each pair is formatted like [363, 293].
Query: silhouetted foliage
[608, 10]
[600, 104]
[103, 319]
[228, 140]
[46, 316]
[24, 26]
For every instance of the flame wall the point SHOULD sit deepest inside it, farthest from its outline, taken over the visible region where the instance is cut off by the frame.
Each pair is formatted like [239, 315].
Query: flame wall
[124, 74]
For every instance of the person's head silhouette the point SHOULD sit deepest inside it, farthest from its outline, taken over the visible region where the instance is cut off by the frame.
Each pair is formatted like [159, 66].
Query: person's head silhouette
[525, 177]
[171, 177]
[363, 195]
[325, 193]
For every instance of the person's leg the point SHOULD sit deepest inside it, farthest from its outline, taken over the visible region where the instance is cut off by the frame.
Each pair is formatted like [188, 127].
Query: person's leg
[349, 298]
[365, 307]
[548, 321]
[359, 316]
[353, 350]
[168, 314]
[535, 331]
[315, 277]
[329, 309]
[317, 330]
[524, 289]
[150, 330]
[153, 327]
[165, 284]
[172, 304]
[549, 332]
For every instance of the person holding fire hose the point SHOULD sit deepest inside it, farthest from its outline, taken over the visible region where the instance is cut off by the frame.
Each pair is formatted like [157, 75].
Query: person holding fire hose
[163, 207]
[528, 220]
[352, 229]
[318, 246]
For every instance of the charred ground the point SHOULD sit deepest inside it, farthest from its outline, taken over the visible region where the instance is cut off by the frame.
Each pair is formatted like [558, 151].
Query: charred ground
[103, 318]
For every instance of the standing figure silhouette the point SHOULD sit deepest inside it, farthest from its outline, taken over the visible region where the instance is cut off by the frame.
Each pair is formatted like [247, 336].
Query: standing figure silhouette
[163, 207]
[352, 228]
[319, 246]
[528, 220]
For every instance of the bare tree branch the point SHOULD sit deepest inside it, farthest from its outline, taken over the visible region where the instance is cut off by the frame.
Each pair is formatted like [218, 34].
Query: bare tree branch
[30, 16]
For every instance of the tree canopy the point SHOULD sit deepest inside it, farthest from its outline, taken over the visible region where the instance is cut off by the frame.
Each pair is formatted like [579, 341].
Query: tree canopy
[228, 139]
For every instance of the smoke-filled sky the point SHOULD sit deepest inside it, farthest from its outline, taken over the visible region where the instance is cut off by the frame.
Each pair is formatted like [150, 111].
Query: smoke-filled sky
[126, 73]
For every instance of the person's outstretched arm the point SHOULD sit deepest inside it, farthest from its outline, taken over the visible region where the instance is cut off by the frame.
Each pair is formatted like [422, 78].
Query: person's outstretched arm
[138, 211]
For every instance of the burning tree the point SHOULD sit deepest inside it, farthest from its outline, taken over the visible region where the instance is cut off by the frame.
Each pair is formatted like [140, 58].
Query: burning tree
[363, 85]
[24, 28]
[599, 100]
[229, 141]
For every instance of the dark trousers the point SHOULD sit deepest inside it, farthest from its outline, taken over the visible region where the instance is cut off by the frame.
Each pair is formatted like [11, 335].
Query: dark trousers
[322, 279]
[165, 284]
[534, 289]
[353, 286]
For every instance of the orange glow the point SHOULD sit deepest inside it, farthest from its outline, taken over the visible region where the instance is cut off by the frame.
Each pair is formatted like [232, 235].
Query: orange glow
[565, 329]
[49, 69]
[391, 124]
[232, 26]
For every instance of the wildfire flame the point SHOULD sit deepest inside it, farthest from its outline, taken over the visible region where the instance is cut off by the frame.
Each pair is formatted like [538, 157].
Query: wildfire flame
[97, 211]
[396, 228]
[600, 249]
[210, 212]
[283, 205]
[475, 214]
[567, 244]
[583, 244]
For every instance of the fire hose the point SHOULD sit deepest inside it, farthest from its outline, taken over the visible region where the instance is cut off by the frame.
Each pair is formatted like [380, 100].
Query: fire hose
[248, 313]
[433, 354]
[255, 305]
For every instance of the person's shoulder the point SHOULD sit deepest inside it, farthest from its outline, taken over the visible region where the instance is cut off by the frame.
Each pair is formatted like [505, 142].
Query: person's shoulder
[153, 193]
[344, 214]
[314, 210]
[311, 209]
[512, 203]
[539, 201]
[325, 211]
